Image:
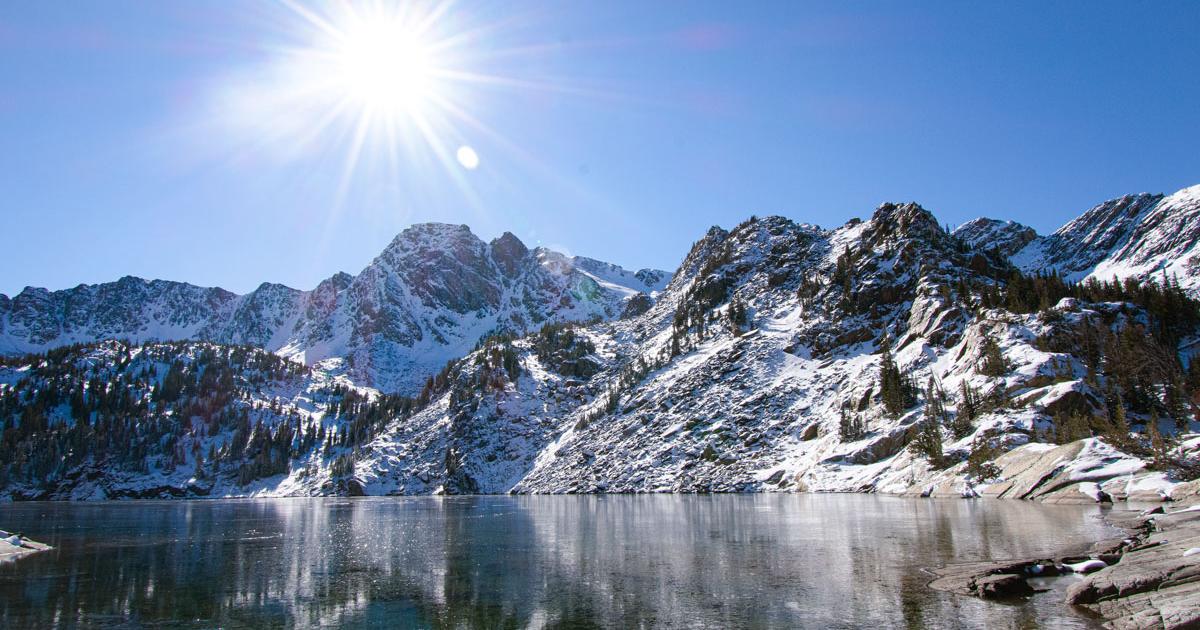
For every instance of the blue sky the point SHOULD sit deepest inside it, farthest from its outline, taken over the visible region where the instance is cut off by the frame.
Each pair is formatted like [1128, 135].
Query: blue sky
[155, 139]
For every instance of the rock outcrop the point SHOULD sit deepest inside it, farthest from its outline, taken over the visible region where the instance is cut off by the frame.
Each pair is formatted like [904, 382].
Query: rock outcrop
[1155, 582]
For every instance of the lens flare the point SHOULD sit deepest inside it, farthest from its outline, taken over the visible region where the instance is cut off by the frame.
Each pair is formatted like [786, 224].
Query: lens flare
[467, 157]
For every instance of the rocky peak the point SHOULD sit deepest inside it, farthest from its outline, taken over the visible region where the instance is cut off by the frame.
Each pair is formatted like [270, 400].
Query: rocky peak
[986, 234]
[442, 264]
[35, 293]
[702, 250]
[273, 288]
[1173, 223]
[425, 237]
[896, 222]
[339, 281]
[508, 251]
[1165, 241]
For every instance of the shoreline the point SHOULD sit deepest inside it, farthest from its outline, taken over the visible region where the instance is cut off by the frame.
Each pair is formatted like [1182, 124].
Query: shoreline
[1149, 578]
[1156, 579]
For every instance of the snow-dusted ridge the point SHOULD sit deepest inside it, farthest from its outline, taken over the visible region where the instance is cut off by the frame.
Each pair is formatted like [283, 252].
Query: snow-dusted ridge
[759, 410]
[428, 298]
[1141, 236]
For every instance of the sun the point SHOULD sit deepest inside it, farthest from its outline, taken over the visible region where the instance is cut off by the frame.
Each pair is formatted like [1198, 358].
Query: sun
[384, 66]
[389, 92]
[386, 63]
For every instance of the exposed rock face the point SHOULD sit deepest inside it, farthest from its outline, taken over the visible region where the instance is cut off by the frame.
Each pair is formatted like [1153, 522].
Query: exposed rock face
[428, 298]
[1002, 586]
[1033, 471]
[509, 252]
[1008, 237]
[637, 305]
[13, 546]
[1076, 248]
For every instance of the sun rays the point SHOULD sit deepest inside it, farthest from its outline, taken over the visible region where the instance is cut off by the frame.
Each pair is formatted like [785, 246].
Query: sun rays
[400, 109]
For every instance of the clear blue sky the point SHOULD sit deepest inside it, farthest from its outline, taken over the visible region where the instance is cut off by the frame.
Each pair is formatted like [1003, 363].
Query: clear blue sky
[163, 139]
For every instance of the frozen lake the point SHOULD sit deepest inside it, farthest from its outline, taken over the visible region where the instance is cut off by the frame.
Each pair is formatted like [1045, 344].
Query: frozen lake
[719, 561]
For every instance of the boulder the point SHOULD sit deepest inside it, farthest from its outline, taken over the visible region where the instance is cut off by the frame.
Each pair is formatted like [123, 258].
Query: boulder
[1001, 586]
[1076, 494]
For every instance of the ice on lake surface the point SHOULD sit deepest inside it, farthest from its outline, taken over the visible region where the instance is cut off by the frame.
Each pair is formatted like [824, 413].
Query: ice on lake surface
[718, 561]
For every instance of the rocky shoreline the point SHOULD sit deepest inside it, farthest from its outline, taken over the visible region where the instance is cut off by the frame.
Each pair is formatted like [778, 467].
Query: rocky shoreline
[1155, 581]
[1147, 579]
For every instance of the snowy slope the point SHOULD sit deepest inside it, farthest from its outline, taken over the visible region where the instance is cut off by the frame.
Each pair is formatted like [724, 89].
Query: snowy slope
[1139, 236]
[428, 298]
[118, 434]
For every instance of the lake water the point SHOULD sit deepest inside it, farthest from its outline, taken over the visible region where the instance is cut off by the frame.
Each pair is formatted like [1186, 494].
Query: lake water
[724, 561]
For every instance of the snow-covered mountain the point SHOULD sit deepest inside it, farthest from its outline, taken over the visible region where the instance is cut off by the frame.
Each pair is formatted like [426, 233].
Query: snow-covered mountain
[427, 299]
[689, 397]
[1140, 236]
[884, 355]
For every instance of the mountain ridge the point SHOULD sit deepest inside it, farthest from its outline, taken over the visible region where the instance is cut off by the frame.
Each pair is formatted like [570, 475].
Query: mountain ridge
[1143, 236]
[426, 298]
[883, 355]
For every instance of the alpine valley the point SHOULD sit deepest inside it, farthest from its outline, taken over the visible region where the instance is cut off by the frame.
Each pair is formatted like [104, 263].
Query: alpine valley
[886, 355]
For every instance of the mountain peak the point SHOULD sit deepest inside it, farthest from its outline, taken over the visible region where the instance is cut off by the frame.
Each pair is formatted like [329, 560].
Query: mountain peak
[432, 234]
[905, 214]
[434, 247]
[508, 251]
[901, 221]
[984, 234]
[1141, 236]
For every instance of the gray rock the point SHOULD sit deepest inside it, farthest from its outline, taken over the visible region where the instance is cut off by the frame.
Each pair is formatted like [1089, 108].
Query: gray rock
[1153, 585]
[1003, 585]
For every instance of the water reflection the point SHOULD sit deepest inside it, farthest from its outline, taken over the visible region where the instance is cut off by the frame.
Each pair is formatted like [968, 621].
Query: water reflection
[754, 561]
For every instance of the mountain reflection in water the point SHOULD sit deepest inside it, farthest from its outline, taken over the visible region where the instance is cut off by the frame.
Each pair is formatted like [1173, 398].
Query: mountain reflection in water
[746, 561]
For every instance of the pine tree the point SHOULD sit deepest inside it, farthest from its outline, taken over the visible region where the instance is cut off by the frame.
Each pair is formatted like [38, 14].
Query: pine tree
[895, 388]
[993, 362]
[1192, 382]
[737, 316]
[1070, 426]
[1116, 430]
[968, 404]
[980, 468]
[851, 427]
[935, 404]
[1160, 445]
[927, 443]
